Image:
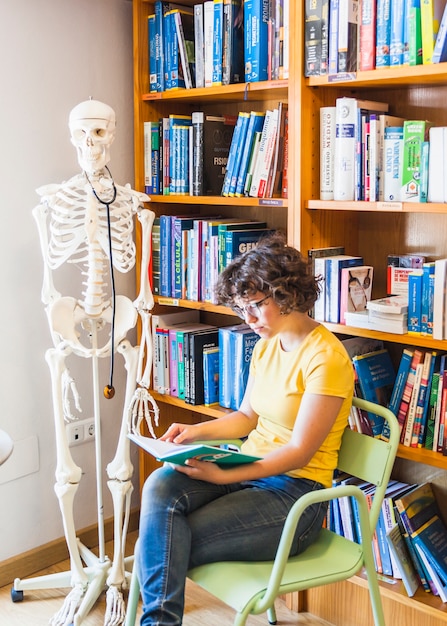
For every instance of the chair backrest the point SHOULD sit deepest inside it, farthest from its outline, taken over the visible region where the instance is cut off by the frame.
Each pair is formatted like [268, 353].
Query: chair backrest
[369, 458]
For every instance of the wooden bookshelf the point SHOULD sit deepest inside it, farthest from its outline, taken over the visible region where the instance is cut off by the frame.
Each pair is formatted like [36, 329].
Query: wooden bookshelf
[370, 229]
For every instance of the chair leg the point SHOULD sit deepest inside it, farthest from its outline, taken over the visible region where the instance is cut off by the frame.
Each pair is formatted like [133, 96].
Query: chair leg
[374, 593]
[271, 615]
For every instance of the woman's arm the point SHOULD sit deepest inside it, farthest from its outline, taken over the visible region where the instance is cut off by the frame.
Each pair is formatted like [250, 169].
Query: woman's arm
[316, 416]
[231, 426]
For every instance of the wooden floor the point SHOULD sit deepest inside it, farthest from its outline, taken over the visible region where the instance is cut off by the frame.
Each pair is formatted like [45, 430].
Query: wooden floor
[38, 607]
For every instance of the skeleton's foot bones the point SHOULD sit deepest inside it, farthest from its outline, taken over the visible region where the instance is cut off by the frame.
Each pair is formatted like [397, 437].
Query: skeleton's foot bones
[65, 616]
[115, 608]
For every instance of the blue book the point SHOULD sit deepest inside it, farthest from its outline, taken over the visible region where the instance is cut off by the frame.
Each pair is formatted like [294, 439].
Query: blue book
[238, 157]
[376, 377]
[165, 255]
[383, 33]
[232, 155]
[152, 29]
[245, 340]
[226, 364]
[397, 32]
[180, 224]
[174, 149]
[333, 37]
[198, 341]
[217, 42]
[398, 388]
[159, 42]
[334, 266]
[415, 302]
[211, 376]
[256, 18]
[428, 276]
[233, 43]
[255, 125]
[239, 241]
[440, 49]
[175, 78]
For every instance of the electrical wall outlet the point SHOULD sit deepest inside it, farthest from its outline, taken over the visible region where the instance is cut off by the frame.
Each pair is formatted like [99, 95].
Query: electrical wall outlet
[81, 431]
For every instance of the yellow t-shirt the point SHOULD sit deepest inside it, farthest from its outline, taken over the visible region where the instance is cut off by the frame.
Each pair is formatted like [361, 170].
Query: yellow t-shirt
[319, 365]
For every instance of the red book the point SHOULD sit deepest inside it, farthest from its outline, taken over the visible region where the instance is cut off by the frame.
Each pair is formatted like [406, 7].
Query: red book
[406, 396]
[367, 39]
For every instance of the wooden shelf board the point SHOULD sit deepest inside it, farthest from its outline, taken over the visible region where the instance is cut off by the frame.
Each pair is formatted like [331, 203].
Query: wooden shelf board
[378, 207]
[231, 93]
[191, 304]
[414, 75]
[220, 201]
[210, 411]
[425, 602]
[422, 341]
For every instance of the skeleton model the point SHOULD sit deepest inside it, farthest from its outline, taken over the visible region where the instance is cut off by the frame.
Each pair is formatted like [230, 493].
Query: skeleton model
[88, 221]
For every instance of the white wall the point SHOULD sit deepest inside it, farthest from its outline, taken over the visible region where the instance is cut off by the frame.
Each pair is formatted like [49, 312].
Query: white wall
[55, 54]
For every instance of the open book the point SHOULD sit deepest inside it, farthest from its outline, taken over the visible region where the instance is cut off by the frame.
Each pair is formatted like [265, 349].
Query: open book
[178, 453]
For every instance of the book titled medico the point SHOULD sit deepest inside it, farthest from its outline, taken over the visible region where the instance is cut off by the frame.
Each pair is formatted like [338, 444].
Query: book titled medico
[178, 453]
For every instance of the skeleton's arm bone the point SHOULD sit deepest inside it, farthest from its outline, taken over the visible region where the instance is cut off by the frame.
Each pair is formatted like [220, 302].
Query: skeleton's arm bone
[145, 299]
[49, 292]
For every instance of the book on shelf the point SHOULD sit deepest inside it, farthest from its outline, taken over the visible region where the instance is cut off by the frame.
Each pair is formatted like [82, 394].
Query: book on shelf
[431, 362]
[431, 16]
[407, 433]
[383, 33]
[346, 146]
[199, 46]
[440, 47]
[235, 154]
[178, 453]
[198, 341]
[439, 418]
[244, 340]
[402, 412]
[285, 166]
[236, 225]
[376, 379]
[256, 15]
[431, 413]
[208, 32]
[333, 37]
[327, 139]
[184, 26]
[225, 374]
[384, 121]
[154, 263]
[217, 42]
[211, 376]
[415, 302]
[367, 35]
[416, 132]
[313, 37]
[397, 31]
[255, 125]
[428, 286]
[233, 42]
[399, 266]
[239, 241]
[151, 28]
[439, 299]
[437, 579]
[393, 144]
[400, 552]
[355, 289]
[318, 268]
[264, 158]
[252, 160]
[274, 178]
[348, 15]
[437, 166]
[332, 286]
[414, 32]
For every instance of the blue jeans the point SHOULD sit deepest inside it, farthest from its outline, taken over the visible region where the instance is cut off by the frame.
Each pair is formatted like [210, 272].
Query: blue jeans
[185, 523]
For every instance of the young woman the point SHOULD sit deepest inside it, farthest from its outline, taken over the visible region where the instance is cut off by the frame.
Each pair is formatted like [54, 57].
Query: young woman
[293, 414]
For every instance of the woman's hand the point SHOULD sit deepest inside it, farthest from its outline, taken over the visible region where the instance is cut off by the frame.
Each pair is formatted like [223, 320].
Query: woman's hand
[181, 433]
[205, 470]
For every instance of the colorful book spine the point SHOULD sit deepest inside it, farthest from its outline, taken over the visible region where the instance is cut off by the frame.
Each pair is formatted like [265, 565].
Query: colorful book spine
[383, 33]
[327, 148]
[367, 35]
[422, 400]
[347, 35]
[244, 342]
[233, 43]
[428, 282]
[217, 42]
[415, 302]
[254, 125]
[392, 166]
[208, 30]
[199, 46]
[406, 396]
[440, 47]
[415, 133]
[235, 148]
[414, 33]
[152, 38]
[242, 139]
[398, 389]
[256, 16]
[211, 376]
[159, 42]
[333, 37]
[397, 43]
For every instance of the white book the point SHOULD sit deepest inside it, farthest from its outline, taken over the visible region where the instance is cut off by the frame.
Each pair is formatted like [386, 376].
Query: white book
[439, 298]
[440, 585]
[261, 157]
[208, 30]
[437, 164]
[392, 172]
[391, 305]
[384, 121]
[264, 164]
[345, 148]
[199, 45]
[319, 306]
[182, 46]
[327, 141]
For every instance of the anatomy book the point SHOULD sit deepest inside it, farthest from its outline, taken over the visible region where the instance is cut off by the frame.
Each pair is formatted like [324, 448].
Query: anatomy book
[179, 453]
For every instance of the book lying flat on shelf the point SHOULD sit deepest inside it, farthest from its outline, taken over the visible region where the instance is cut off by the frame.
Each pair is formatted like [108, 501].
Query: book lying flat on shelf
[178, 453]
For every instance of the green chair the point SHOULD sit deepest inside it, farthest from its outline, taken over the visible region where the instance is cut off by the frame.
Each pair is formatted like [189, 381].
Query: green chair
[251, 587]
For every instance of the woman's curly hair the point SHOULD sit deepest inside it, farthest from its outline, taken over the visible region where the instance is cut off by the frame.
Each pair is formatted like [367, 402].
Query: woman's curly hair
[272, 268]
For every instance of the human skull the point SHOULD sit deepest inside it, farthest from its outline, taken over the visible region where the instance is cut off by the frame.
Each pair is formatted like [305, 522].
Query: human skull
[92, 128]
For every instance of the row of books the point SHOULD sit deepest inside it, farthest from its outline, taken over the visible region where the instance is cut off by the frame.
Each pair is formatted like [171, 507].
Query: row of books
[200, 363]
[380, 157]
[204, 154]
[410, 539]
[217, 42]
[257, 161]
[190, 251]
[343, 36]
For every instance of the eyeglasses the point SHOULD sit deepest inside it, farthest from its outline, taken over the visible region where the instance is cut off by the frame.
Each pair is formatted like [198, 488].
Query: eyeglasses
[252, 309]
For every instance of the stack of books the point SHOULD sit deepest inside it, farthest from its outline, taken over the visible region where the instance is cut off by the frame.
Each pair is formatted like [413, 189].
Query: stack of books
[389, 315]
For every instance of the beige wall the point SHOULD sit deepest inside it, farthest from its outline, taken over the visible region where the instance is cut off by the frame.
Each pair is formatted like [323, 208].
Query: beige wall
[54, 54]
